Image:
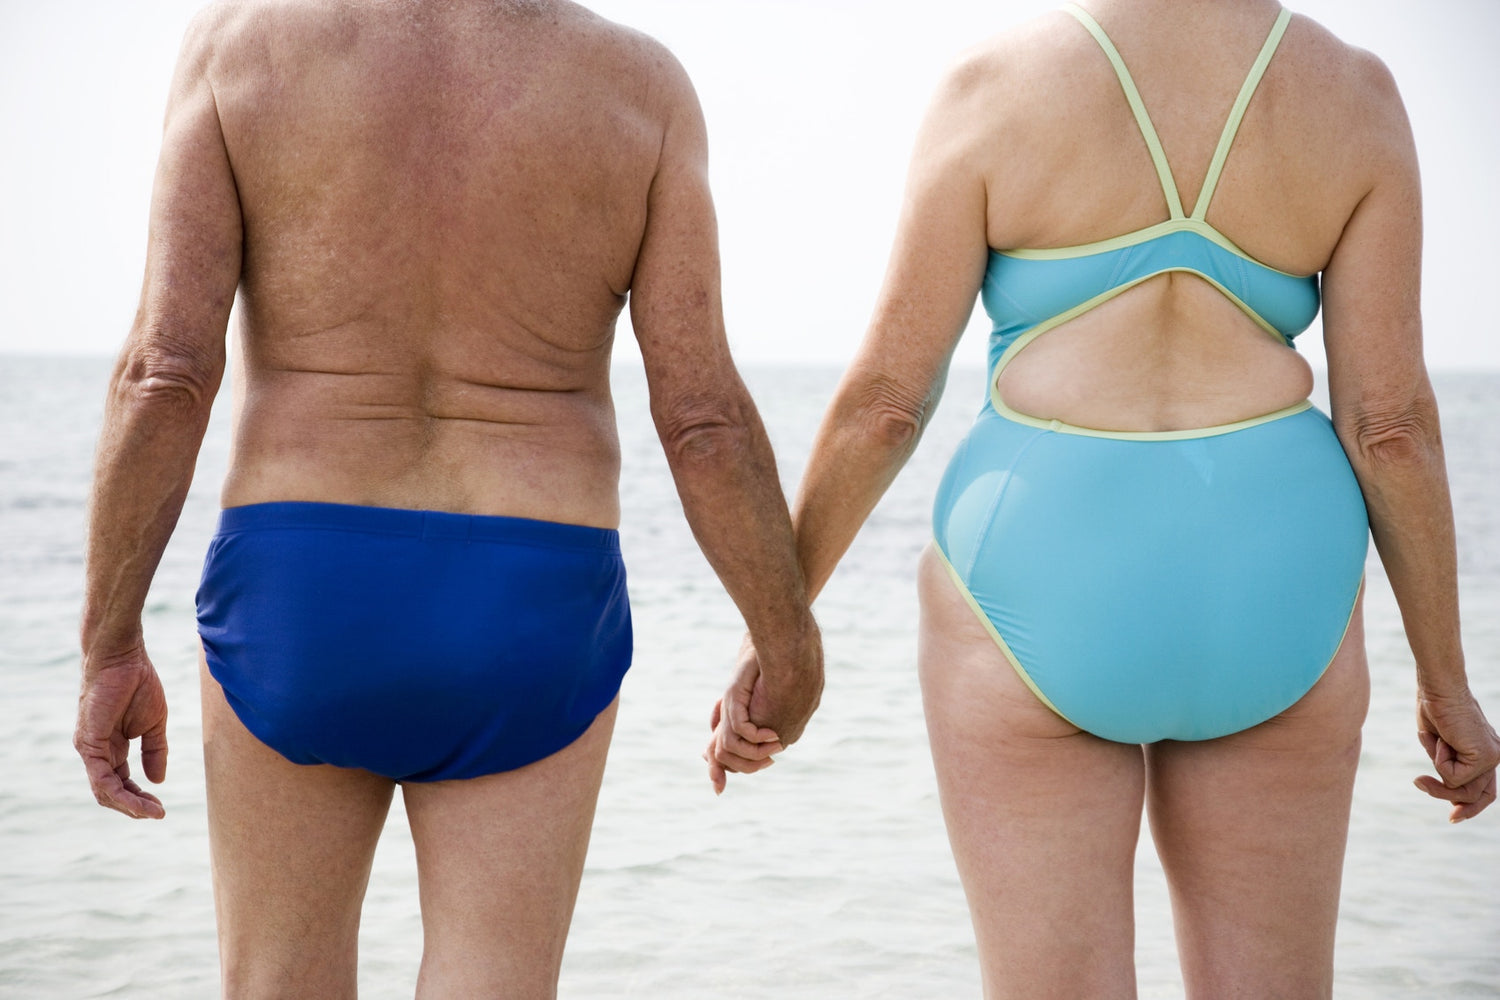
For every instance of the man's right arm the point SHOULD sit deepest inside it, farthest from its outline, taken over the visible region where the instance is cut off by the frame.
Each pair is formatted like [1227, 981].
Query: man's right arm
[154, 419]
[715, 443]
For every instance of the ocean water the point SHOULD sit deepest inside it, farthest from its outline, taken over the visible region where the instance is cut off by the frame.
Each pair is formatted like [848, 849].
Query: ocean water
[827, 877]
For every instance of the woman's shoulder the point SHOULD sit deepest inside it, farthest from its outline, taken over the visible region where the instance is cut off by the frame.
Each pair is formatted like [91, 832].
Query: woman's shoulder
[1345, 103]
[1041, 62]
[1350, 81]
[1021, 85]
[1033, 54]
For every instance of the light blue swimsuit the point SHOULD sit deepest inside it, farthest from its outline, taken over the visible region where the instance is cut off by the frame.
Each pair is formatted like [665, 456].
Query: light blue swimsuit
[1157, 585]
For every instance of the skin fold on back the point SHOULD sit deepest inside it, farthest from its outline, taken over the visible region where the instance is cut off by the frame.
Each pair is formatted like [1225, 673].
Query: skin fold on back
[1067, 165]
[443, 204]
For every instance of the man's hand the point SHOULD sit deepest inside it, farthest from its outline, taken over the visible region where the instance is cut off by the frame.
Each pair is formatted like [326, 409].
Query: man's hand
[758, 717]
[121, 701]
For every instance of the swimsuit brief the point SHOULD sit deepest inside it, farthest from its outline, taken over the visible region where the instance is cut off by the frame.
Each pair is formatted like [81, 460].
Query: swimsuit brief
[418, 645]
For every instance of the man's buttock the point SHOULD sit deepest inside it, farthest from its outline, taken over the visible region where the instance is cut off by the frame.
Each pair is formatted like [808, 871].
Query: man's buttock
[419, 645]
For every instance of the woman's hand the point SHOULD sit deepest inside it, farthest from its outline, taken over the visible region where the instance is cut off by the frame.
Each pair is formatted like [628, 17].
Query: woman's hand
[1464, 750]
[121, 702]
[746, 721]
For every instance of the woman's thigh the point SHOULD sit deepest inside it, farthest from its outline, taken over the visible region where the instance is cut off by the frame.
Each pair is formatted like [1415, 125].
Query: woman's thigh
[1043, 818]
[499, 860]
[291, 846]
[1251, 830]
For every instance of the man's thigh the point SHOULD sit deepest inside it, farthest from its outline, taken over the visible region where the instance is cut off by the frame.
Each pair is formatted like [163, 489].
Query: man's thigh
[499, 860]
[291, 846]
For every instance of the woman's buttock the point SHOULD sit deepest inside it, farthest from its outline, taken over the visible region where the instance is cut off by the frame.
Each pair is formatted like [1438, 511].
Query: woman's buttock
[1147, 589]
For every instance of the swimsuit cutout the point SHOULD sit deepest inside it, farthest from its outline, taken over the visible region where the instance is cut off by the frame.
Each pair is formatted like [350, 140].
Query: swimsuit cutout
[1154, 585]
[1028, 292]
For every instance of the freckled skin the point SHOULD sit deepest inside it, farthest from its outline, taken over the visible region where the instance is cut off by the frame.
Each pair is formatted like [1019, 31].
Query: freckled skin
[1030, 143]
[432, 213]
[433, 274]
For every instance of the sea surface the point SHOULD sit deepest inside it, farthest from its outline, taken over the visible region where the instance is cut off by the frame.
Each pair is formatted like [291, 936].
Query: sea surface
[828, 877]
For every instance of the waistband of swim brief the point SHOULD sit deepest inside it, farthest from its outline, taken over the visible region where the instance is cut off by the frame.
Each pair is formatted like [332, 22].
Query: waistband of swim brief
[416, 524]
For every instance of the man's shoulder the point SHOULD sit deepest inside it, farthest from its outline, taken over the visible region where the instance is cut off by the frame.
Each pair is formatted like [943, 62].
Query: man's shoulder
[226, 31]
[631, 51]
[632, 43]
[225, 20]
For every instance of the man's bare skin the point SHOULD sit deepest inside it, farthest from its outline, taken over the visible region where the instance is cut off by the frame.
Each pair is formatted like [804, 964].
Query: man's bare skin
[433, 213]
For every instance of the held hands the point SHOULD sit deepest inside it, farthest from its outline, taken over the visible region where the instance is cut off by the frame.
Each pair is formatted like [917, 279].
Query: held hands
[759, 716]
[121, 701]
[1464, 750]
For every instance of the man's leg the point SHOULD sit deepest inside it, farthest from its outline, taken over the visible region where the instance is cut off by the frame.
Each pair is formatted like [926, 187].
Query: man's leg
[291, 847]
[499, 859]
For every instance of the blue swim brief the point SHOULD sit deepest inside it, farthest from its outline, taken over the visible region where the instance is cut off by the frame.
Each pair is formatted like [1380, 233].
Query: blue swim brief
[418, 645]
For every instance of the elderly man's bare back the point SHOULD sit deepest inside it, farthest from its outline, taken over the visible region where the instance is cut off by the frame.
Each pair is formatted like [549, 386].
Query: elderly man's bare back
[432, 214]
[444, 205]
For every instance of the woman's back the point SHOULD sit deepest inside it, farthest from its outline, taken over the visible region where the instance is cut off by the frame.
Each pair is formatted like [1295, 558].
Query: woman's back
[1066, 164]
[1198, 591]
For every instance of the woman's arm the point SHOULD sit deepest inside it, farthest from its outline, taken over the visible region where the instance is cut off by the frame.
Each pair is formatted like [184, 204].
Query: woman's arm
[891, 388]
[1386, 417]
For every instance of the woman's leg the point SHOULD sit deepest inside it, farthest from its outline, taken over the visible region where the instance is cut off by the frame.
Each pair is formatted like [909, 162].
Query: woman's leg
[1043, 817]
[1251, 831]
[291, 847]
[499, 859]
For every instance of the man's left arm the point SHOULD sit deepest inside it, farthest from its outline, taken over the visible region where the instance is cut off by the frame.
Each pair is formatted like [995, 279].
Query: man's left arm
[154, 419]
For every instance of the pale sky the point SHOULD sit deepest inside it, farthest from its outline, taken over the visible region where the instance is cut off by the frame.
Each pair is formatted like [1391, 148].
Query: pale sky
[811, 106]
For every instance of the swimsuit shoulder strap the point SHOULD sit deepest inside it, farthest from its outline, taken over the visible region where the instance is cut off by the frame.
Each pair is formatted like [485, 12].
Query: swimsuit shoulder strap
[1237, 113]
[1142, 119]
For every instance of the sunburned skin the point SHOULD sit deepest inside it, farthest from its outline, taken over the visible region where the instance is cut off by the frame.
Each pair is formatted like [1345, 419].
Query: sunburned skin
[432, 213]
[428, 311]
